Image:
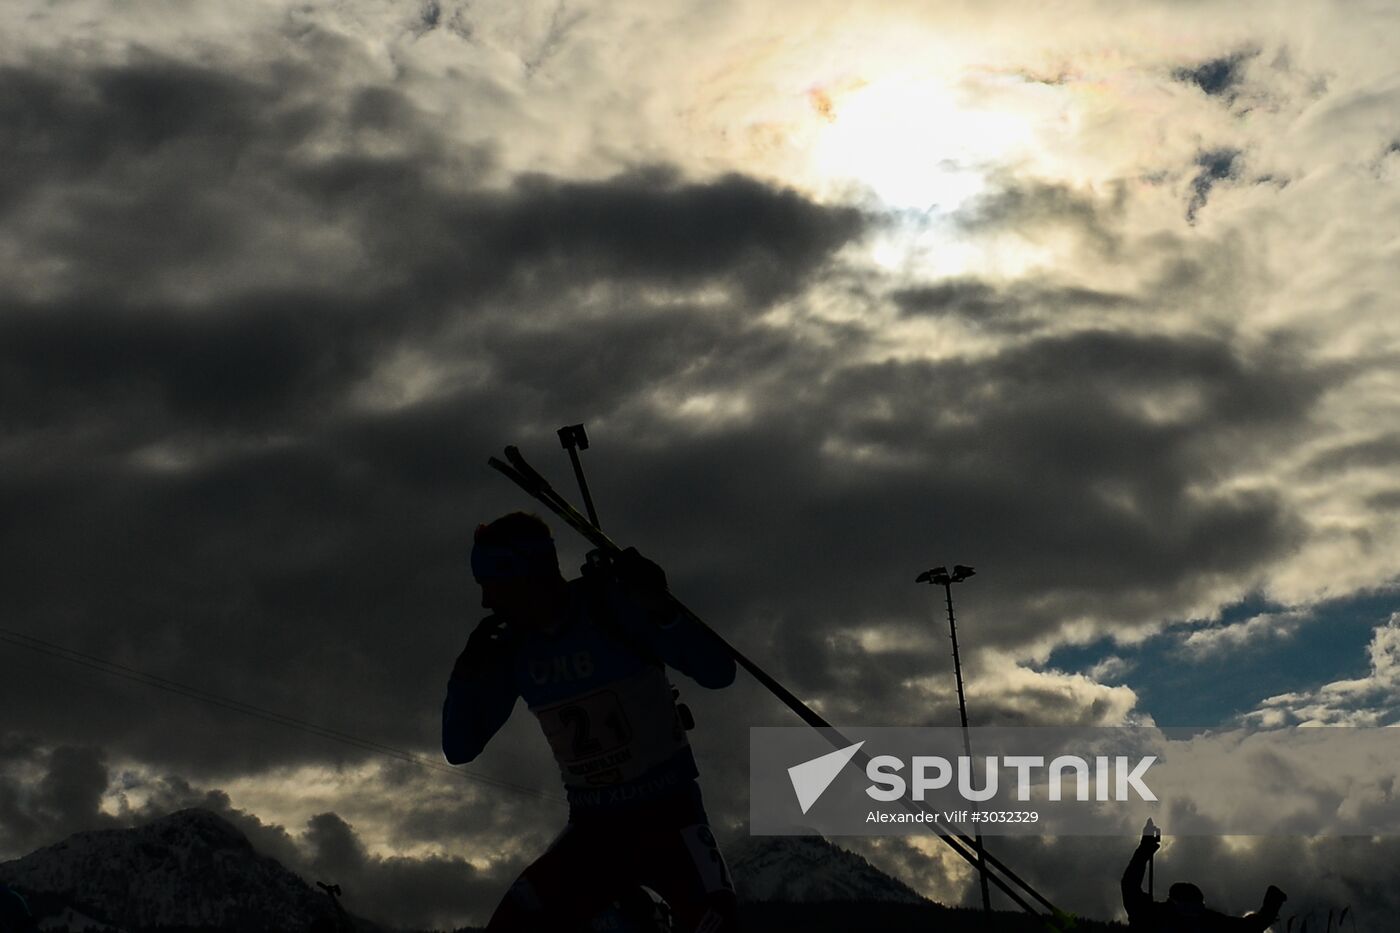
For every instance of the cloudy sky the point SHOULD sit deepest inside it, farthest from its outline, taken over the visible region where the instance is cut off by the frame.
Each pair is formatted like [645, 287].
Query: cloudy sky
[1095, 299]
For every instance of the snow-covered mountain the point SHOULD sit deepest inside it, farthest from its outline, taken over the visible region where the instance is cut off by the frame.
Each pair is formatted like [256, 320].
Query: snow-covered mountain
[191, 870]
[808, 869]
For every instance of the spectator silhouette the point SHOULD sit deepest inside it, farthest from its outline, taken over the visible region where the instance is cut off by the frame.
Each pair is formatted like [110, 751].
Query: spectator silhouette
[1184, 910]
[338, 921]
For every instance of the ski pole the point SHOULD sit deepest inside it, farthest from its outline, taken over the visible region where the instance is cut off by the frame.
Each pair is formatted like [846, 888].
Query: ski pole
[519, 471]
[574, 438]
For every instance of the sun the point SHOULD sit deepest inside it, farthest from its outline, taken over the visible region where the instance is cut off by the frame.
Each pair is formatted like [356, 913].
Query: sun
[908, 141]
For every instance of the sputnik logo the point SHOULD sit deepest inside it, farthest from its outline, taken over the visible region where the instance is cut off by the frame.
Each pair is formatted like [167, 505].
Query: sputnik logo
[811, 778]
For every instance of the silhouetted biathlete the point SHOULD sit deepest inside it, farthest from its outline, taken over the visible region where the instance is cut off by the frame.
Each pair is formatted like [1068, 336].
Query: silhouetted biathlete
[589, 657]
[1184, 910]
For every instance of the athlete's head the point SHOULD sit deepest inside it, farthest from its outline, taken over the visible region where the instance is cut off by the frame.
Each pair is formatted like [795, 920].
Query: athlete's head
[1186, 897]
[514, 560]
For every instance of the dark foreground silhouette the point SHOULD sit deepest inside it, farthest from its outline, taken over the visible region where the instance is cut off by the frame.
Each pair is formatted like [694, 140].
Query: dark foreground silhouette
[589, 657]
[15, 916]
[857, 917]
[1184, 910]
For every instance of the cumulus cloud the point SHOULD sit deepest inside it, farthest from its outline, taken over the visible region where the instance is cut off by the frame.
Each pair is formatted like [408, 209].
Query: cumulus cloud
[1109, 669]
[1370, 700]
[1217, 640]
[1009, 694]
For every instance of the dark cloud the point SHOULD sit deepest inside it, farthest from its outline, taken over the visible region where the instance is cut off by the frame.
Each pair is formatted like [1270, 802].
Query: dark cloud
[733, 230]
[1006, 310]
[16, 820]
[425, 893]
[160, 175]
[1031, 207]
[64, 799]
[1379, 452]
[191, 487]
[645, 227]
[334, 849]
[71, 791]
[1387, 501]
[58, 129]
[431, 14]
[263, 360]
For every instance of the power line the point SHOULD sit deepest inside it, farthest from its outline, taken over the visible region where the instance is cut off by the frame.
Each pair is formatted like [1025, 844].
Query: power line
[105, 666]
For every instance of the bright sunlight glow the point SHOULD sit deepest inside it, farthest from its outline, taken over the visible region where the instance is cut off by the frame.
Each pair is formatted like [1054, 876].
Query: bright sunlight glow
[907, 141]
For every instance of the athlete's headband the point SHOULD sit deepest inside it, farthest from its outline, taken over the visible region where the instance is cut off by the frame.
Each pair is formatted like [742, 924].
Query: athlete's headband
[530, 558]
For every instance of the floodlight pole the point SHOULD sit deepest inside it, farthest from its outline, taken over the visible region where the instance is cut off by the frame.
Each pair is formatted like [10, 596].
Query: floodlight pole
[957, 666]
[940, 575]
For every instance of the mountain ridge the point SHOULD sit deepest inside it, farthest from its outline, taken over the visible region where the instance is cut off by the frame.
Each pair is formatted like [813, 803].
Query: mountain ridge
[192, 870]
[188, 870]
[810, 869]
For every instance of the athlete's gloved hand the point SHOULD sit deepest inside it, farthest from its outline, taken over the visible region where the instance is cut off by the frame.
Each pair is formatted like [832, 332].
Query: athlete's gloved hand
[1273, 900]
[645, 582]
[637, 573]
[488, 648]
[1151, 842]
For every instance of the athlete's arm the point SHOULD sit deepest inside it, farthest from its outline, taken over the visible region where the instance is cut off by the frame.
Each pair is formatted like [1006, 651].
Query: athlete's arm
[1253, 923]
[694, 651]
[1135, 900]
[480, 694]
[644, 607]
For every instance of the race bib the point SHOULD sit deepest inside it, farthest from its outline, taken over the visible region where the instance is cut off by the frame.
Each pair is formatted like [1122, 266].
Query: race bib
[613, 735]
